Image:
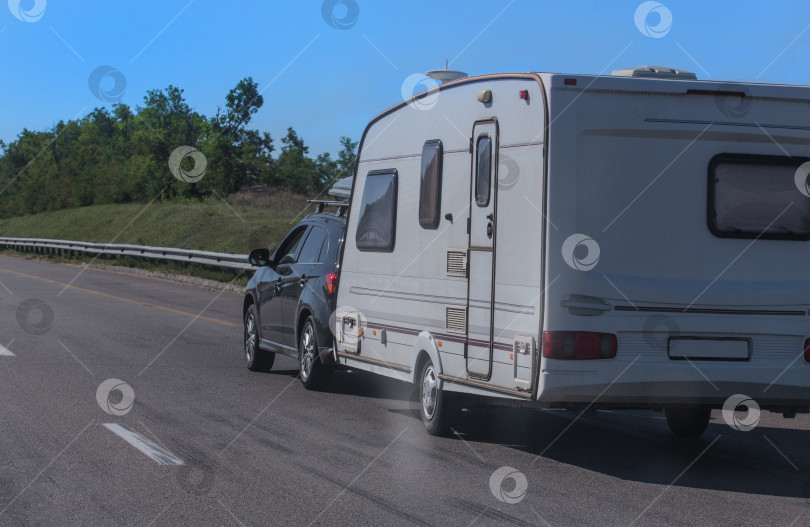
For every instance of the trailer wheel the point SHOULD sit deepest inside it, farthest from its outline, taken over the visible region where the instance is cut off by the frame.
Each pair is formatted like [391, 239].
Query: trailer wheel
[688, 421]
[438, 408]
[314, 374]
[256, 358]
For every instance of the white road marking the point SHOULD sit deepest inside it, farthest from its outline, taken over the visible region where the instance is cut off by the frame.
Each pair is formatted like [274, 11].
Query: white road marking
[158, 455]
[5, 352]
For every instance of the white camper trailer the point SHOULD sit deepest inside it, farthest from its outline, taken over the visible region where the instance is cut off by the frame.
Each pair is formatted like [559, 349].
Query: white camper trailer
[637, 240]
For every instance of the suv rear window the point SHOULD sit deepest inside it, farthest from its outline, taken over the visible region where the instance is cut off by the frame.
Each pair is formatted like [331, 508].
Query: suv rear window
[312, 245]
[757, 197]
[329, 250]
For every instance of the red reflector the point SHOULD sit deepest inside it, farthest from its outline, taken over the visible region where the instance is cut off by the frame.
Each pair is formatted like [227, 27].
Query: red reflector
[807, 350]
[331, 283]
[524, 95]
[579, 345]
[570, 82]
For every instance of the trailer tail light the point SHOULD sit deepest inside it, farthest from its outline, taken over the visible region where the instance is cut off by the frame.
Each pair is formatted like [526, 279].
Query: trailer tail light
[807, 350]
[579, 345]
[331, 283]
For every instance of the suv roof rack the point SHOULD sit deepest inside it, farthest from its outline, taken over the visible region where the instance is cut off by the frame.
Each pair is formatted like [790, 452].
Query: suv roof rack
[322, 203]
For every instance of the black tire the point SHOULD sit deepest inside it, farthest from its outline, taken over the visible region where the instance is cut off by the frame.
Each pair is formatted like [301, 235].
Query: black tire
[314, 374]
[256, 358]
[439, 409]
[688, 421]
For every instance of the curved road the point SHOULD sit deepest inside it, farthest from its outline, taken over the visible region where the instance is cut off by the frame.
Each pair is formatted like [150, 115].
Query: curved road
[258, 449]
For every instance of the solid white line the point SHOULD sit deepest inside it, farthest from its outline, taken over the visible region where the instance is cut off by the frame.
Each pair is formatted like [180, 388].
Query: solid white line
[157, 454]
[5, 352]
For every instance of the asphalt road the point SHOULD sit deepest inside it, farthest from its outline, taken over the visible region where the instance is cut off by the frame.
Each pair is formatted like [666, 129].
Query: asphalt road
[258, 449]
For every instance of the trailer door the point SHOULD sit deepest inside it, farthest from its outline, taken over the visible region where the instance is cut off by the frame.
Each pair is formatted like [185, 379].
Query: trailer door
[481, 259]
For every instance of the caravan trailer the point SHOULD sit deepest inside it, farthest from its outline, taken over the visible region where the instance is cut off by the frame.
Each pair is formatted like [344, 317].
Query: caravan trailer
[634, 240]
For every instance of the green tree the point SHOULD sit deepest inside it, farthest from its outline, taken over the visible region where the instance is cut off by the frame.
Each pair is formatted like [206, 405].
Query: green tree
[121, 154]
[296, 171]
[347, 157]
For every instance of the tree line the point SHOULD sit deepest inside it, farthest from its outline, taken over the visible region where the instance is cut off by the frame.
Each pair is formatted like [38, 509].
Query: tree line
[120, 155]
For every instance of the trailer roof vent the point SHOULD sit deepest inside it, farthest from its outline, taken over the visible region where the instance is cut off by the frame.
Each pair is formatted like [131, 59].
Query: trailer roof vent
[445, 75]
[655, 72]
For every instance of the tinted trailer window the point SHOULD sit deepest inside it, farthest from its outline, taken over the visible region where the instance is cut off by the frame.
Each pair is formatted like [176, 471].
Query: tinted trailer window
[757, 197]
[378, 212]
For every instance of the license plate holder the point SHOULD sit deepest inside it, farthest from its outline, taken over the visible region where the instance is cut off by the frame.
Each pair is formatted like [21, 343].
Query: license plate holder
[693, 348]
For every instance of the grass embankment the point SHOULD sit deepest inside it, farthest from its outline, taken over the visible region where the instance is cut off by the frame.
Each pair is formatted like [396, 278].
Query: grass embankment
[237, 225]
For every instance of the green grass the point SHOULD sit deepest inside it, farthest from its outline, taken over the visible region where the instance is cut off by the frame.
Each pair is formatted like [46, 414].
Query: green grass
[241, 224]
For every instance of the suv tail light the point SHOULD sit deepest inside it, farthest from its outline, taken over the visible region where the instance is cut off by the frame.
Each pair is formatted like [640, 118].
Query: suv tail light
[331, 283]
[807, 350]
[580, 345]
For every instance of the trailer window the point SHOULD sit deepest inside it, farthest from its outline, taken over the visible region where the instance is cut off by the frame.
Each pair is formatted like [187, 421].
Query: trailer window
[483, 174]
[757, 197]
[430, 193]
[378, 212]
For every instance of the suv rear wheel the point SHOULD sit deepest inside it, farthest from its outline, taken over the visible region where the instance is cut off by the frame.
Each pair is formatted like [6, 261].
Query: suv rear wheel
[314, 374]
[256, 358]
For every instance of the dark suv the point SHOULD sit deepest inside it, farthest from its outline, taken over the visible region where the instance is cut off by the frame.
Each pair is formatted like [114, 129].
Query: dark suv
[291, 297]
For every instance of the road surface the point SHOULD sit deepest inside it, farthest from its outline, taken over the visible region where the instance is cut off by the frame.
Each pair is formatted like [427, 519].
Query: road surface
[259, 449]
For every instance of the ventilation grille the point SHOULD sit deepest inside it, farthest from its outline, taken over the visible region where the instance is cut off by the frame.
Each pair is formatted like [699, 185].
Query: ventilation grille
[457, 319]
[457, 263]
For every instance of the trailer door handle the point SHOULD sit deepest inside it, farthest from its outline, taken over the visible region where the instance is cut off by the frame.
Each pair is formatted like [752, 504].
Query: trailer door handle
[491, 216]
[489, 230]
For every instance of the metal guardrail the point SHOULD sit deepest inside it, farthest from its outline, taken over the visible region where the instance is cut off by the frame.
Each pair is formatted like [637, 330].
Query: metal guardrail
[48, 246]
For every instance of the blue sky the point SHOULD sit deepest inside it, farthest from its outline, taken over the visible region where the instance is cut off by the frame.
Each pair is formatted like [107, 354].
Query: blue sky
[327, 81]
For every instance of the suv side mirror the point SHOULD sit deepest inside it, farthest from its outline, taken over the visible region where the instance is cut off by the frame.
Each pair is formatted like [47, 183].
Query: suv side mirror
[259, 257]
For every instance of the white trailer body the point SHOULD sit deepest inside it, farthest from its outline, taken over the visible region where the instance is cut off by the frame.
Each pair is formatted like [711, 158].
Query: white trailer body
[597, 240]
